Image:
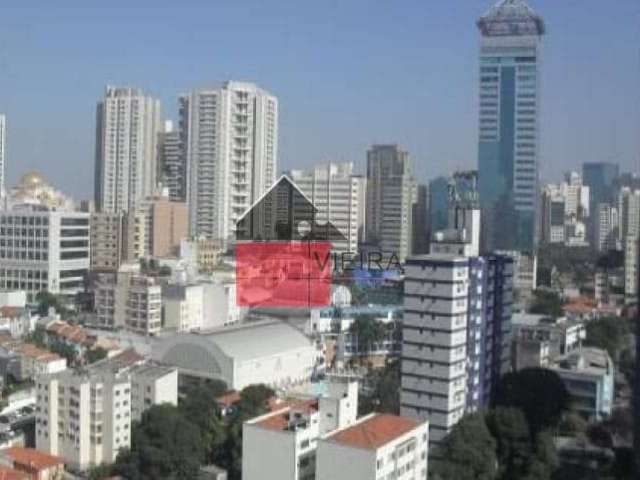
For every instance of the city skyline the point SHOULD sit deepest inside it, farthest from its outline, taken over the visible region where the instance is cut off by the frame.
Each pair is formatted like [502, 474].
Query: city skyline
[302, 59]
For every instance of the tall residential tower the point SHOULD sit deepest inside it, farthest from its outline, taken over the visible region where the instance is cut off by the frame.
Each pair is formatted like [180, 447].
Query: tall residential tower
[231, 145]
[3, 138]
[127, 129]
[511, 34]
[391, 192]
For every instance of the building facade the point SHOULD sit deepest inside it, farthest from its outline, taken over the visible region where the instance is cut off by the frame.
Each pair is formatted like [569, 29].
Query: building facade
[43, 249]
[457, 319]
[511, 35]
[336, 193]
[129, 299]
[173, 163]
[378, 446]
[231, 145]
[3, 152]
[391, 192]
[607, 231]
[127, 132]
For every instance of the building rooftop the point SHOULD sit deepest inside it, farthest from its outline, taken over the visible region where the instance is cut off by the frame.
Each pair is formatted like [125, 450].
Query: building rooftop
[37, 353]
[30, 458]
[511, 18]
[374, 431]
[586, 360]
[289, 418]
[250, 340]
[7, 473]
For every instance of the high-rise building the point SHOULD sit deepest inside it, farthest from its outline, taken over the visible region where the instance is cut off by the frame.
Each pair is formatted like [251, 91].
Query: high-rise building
[231, 146]
[607, 228]
[173, 168]
[601, 178]
[3, 152]
[565, 209]
[336, 194]
[391, 192]
[511, 35]
[629, 234]
[127, 132]
[457, 312]
[420, 221]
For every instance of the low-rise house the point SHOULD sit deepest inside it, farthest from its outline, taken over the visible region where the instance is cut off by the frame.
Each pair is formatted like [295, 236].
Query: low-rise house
[588, 375]
[35, 464]
[77, 337]
[18, 321]
[378, 446]
[36, 361]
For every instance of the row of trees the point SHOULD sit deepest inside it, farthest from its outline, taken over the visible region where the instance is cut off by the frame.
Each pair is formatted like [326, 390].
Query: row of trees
[172, 442]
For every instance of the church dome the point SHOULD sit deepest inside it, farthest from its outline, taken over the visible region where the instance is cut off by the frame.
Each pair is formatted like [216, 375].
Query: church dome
[32, 179]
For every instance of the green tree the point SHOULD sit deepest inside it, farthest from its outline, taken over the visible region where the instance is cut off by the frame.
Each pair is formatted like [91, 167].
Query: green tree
[513, 441]
[546, 302]
[95, 354]
[46, 300]
[608, 333]
[572, 425]
[164, 445]
[385, 391]
[468, 452]
[198, 407]
[539, 392]
[253, 400]
[368, 331]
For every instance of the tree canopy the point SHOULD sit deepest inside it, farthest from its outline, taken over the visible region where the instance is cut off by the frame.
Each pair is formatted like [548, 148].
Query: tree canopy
[468, 452]
[539, 392]
[163, 445]
[546, 302]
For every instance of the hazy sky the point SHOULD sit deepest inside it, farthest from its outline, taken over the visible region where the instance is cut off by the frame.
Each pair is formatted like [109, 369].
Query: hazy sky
[348, 73]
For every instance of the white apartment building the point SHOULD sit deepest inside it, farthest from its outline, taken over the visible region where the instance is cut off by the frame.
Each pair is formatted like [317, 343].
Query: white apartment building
[3, 152]
[607, 227]
[282, 444]
[127, 133]
[43, 249]
[565, 209]
[85, 415]
[130, 300]
[379, 447]
[391, 193]
[231, 136]
[434, 376]
[337, 194]
[183, 307]
[629, 235]
[152, 384]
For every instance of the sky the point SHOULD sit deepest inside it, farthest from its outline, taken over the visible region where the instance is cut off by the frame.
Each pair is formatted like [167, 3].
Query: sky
[347, 73]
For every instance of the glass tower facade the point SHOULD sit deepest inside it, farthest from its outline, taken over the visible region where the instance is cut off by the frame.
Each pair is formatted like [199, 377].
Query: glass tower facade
[511, 34]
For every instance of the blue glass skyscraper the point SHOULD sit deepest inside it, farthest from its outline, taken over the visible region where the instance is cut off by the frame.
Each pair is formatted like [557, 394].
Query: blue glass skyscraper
[511, 34]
